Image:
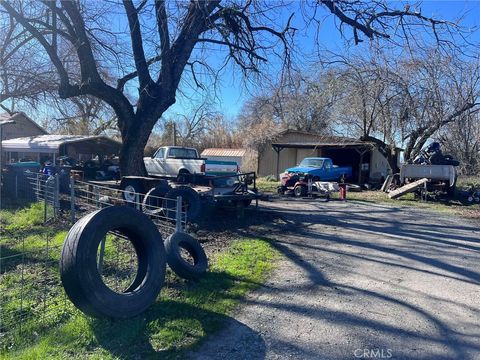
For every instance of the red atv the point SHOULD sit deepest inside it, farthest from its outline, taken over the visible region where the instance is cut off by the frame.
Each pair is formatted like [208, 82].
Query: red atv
[297, 184]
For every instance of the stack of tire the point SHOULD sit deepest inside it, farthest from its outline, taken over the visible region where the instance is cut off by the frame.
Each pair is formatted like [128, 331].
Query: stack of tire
[82, 280]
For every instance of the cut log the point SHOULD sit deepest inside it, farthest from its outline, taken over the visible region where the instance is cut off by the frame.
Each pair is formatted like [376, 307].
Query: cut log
[407, 188]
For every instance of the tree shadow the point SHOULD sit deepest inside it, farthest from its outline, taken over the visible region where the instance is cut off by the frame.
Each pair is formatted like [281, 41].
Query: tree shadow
[171, 328]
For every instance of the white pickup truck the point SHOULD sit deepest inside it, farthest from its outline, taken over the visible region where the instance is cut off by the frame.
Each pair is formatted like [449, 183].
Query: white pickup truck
[178, 162]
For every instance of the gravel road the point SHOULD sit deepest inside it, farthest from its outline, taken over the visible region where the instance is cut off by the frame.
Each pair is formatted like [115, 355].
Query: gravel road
[361, 281]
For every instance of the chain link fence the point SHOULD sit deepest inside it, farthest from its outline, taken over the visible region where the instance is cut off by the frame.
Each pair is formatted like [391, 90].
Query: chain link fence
[32, 298]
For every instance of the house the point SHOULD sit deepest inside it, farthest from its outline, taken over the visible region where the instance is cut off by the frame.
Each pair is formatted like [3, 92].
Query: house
[290, 147]
[22, 126]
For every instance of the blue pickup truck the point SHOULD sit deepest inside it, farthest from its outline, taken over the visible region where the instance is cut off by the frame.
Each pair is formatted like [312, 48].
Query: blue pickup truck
[321, 169]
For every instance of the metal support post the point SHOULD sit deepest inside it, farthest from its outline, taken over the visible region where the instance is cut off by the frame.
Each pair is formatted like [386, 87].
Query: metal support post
[178, 215]
[72, 199]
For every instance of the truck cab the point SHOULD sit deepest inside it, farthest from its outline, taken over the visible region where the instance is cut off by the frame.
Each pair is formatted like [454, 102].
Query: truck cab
[320, 168]
[178, 161]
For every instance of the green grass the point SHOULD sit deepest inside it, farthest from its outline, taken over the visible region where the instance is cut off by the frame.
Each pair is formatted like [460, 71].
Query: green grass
[184, 315]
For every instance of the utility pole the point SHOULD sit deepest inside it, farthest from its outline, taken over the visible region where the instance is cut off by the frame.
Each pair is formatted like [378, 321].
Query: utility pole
[174, 133]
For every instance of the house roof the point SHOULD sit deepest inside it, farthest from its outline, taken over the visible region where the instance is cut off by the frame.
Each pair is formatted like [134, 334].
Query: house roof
[52, 144]
[18, 116]
[224, 152]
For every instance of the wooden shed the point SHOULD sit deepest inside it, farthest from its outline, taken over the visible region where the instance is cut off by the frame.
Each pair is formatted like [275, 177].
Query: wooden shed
[290, 147]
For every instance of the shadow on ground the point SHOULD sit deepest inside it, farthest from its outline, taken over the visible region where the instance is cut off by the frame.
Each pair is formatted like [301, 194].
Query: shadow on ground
[376, 276]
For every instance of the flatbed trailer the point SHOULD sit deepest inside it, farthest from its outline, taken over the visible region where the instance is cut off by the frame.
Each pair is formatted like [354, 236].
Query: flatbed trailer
[224, 189]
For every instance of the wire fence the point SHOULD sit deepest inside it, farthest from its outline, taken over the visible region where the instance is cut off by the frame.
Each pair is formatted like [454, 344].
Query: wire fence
[32, 298]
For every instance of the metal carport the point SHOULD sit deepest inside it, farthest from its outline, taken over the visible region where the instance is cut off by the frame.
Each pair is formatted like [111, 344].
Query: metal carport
[59, 145]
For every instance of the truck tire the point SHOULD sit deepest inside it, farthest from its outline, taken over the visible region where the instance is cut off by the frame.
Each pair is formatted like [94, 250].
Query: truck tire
[152, 202]
[130, 187]
[81, 279]
[173, 246]
[191, 202]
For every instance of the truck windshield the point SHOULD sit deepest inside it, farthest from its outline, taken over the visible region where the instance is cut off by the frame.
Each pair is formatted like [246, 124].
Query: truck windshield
[316, 163]
[182, 153]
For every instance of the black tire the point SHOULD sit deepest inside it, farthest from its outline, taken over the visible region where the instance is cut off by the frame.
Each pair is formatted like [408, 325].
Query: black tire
[183, 176]
[191, 202]
[78, 264]
[152, 202]
[129, 188]
[451, 190]
[173, 245]
[300, 191]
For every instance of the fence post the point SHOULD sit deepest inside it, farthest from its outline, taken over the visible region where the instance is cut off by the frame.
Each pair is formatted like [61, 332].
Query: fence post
[56, 198]
[45, 202]
[72, 199]
[178, 215]
[97, 197]
[37, 188]
[137, 201]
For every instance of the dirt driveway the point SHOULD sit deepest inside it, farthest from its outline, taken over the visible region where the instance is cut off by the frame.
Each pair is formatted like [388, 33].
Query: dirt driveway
[361, 281]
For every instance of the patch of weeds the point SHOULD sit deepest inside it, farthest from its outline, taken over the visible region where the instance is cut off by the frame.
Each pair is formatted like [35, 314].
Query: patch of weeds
[25, 218]
[267, 186]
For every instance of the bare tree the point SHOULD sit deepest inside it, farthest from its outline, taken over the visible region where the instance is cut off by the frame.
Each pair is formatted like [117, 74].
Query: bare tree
[405, 100]
[83, 115]
[23, 76]
[461, 139]
[438, 91]
[79, 40]
[160, 55]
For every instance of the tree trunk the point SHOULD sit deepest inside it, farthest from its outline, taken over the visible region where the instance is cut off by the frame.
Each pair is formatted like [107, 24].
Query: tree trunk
[135, 133]
[131, 157]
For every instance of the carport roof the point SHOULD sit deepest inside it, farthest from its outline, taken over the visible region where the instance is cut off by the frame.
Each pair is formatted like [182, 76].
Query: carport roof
[52, 144]
[327, 141]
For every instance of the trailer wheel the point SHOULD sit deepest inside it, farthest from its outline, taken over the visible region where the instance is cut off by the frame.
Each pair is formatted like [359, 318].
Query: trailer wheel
[152, 202]
[81, 271]
[193, 269]
[300, 190]
[191, 202]
[131, 187]
[183, 176]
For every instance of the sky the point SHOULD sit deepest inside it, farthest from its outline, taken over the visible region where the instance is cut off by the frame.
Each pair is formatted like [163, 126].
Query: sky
[232, 94]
